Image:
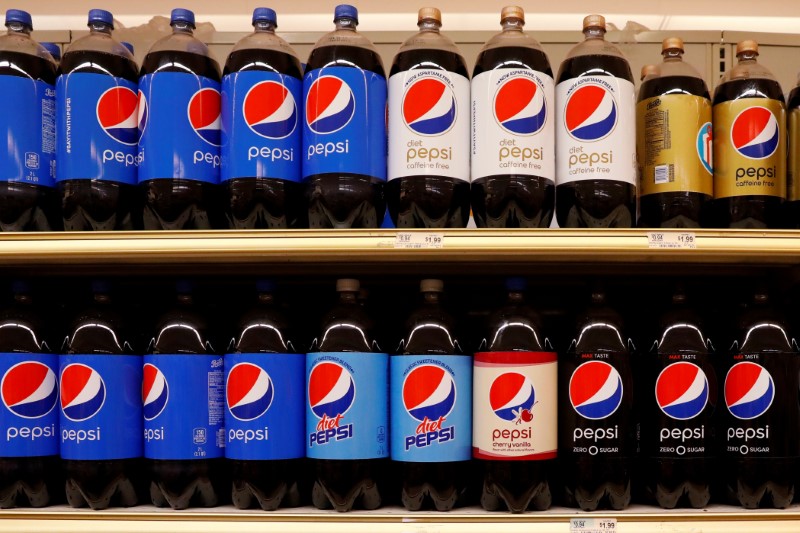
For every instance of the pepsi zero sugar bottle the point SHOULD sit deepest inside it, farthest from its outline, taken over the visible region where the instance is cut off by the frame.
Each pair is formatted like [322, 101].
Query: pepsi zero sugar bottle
[595, 135]
[179, 122]
[597, 435]
[183, 394]
[428, 130]
[791, 211]
[97, 159]
[344, 131]
[101, 408]
[29, 467]
[347, 430]
[264, 391]
[515, 433]
[513, 132]
[749, 145]
[261, 130]
[28, 125]
[431, 407]
[760, 430]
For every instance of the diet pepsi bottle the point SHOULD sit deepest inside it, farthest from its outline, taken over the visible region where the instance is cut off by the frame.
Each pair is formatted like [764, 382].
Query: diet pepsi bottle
[428, 130]
[97, 101]
[513, 132]
[29, 468]
[791, 218]
[597, 435]
[261, 131]
[264, 418]
[344, 132]
[347, 426]
[515, 406]
[101, 409]
[760, 431]
[749, 118]
[595, 135]
[179, 123]
[54, 50]
[183, 394]
[27, 156]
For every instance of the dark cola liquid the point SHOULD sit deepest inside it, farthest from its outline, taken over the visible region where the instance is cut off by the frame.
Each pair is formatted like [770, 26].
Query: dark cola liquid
[791, 207]
[603, 203]
[513, 200]
[682, 209]
[428, 201]
[172, 203]
[263, 203]
[345, 200]
[24, 206]
[97, 204]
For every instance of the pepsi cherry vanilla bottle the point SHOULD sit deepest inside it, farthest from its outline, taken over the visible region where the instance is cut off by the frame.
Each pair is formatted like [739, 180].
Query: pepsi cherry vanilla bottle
[595, 134]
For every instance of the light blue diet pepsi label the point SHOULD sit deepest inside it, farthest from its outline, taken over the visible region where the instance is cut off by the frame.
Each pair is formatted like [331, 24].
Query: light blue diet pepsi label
[179, 122]
[183, 397]
[28, 130]
[431, 408]
[264, 406]
[261, 130]
[29, 416]
[347, 415]
[98, 132]
[344, 129]
[101, 408]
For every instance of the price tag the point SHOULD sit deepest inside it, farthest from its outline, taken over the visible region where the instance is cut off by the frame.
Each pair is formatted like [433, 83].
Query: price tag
[672, 241]
[593, 525]
[417, 240]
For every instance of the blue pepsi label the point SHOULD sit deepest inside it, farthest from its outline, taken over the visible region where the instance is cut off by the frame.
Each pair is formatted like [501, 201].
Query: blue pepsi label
[183, 399]
[264, 399]
[29, 418]
[344, 130]
[28, 130]
[101, 408]
[98, 129]
[347, 414]
[431, 408]
[179, 123]
[261, 130]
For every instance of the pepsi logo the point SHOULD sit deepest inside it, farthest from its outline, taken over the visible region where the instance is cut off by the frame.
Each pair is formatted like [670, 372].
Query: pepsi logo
[155, 391]
[682, 391]
[142, 113]
[512, 397]
[204, 115]
[755, 133]
[29, 389]
[429, 392]
[331, 390]
[429, 106]
[270, 110]
[749, 390]
[249, 391]
[83, 392]
[591, 113]
[520, 107]
[595, 390]
[118, 115]
[330, 105]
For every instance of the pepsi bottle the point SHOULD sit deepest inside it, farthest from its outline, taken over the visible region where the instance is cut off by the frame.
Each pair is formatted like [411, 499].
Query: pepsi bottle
[183, 394]
[597, 434]
[264, 391]
[54, 50]
[27, 157]
[791, 217]
[96, 96]
[595, 135]
[513, 142]
[344, 132]
[179, 112]
[347, 426]
[101, 408]
[428, 130]
[261, 131]
[29, 467]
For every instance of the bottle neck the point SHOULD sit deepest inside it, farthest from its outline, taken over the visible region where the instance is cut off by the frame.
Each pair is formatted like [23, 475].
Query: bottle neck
[185, 299]
[18, 28]
[429, 25]
[102, 299]
[431, 297]
[515, 297]
[346, 23]
[594, 32]
[182, 27]
[100, 27]
[264, 26]
[348, 297]
[672, 55]
[23, 299]
[266, 298]
[747, 57]
[512, 24]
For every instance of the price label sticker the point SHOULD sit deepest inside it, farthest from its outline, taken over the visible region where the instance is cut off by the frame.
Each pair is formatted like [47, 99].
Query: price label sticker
[671, 241]
[418, 240]
[593, 525]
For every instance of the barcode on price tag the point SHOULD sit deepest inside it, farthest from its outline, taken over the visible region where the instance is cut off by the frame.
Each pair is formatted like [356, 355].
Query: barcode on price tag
[418, 240]
[593, 525]
[670, 240]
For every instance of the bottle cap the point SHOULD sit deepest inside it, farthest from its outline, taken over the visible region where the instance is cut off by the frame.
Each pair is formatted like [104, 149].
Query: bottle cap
[594, 21]
[748, 45]
[127, 45]
[102, 16]
[648, 70]
[429, 13]
[672, 43]
[182, 15]
[512, 12]
[184, 286]
[18, 15]
[516, 284]
[265, 285]
[54, 50]
[345, 11]
[101, 286]
[19, 286]
[347, 285]
[265, 14]
[431, 285]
